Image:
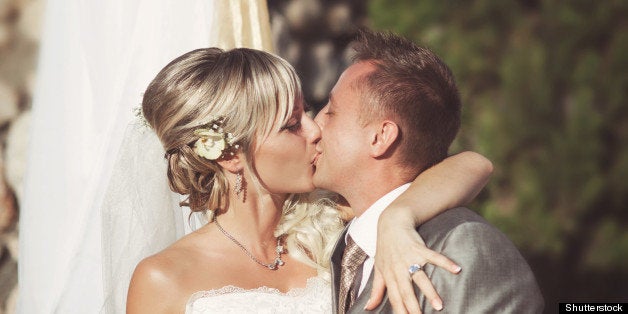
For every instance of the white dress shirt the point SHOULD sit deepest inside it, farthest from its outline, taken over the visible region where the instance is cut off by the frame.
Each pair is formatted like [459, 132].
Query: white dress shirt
[363, 230]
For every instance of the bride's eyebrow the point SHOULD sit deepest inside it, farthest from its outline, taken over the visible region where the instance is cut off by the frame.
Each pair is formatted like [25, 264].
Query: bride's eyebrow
[297, 111]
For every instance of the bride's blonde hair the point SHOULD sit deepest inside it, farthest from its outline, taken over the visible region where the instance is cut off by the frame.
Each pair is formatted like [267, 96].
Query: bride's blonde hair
[252, 91]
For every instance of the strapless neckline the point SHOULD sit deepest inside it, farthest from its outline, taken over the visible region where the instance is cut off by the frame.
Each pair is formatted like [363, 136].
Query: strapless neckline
[310, 283]
[315, 297]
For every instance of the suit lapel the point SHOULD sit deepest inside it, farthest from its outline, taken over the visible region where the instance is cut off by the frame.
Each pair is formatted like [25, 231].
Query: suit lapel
[336, 259]
[358, 306]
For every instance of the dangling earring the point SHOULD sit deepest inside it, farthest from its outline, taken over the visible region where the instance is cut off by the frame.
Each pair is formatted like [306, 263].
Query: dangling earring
[238, 184]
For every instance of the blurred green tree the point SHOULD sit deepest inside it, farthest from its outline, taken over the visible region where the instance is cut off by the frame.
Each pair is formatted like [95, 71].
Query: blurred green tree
[544, 86]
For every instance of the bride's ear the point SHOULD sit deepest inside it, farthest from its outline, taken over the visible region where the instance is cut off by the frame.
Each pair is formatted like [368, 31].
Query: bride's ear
[232, 164]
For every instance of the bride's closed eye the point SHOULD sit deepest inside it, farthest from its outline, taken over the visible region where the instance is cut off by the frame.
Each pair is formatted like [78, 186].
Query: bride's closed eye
[292, 125]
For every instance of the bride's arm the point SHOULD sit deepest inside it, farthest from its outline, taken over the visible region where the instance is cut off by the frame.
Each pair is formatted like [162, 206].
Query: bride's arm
[453, 182]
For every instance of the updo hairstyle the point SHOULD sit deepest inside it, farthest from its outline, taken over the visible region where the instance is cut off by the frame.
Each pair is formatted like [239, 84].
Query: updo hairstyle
[250, 89]
[254, 92]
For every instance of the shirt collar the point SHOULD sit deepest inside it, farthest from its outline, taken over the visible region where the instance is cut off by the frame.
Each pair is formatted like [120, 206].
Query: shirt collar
[363, 229]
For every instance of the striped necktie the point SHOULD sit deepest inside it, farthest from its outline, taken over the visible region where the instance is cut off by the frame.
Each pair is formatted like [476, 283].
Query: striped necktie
[350, 275]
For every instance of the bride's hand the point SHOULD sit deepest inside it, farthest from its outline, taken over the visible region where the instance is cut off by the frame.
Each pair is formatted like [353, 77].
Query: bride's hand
[398, 247]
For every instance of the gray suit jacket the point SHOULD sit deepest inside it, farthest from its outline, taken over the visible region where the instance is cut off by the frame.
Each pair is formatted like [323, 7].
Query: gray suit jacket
[495, 278]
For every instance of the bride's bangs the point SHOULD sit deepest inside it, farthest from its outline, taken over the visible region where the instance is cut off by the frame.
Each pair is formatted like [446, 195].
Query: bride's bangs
[278, 90]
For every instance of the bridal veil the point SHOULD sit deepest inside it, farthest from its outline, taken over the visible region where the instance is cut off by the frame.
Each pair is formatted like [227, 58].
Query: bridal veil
[96, 197]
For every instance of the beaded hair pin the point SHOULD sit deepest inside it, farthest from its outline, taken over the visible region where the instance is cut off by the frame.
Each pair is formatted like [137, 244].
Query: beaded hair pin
[213, 142]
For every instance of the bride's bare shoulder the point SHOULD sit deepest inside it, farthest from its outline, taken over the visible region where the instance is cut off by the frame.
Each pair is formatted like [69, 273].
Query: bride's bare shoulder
[160, 268]
[154, 285]
[174, 262]
[162, 281]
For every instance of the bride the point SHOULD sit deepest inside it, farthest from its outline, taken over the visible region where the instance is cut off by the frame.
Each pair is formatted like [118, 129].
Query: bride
[240, 145]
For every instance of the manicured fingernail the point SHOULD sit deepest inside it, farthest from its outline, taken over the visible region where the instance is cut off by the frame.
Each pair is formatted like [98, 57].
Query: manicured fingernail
[437, 304]
[456, 269]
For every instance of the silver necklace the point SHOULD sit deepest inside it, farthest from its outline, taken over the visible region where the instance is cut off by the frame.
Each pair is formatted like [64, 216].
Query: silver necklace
[278, 250]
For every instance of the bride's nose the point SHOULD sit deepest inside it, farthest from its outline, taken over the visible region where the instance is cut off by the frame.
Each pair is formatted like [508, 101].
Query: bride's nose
[312, 129]
[319, 117]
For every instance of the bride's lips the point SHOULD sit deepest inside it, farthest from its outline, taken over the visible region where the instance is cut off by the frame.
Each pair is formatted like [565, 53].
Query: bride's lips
[315, 159]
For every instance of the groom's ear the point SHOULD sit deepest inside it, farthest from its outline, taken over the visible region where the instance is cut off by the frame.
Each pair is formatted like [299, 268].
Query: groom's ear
[232, 164]
[384, 136]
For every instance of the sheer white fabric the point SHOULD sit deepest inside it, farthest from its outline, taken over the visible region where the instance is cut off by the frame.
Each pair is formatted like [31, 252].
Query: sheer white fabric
[314, 298]
[140, 214]
[96, 59]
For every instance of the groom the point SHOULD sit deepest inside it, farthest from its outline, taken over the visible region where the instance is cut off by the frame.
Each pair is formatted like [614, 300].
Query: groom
[392, 114]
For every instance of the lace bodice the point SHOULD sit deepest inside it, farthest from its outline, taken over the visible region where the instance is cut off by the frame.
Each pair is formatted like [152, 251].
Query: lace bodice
[315, 297]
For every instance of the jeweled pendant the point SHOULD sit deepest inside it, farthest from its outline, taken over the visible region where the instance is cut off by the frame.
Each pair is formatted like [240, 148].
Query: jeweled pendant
[279, 261]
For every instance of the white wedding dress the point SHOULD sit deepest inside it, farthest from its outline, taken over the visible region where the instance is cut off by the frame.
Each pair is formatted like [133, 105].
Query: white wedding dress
[314, 298]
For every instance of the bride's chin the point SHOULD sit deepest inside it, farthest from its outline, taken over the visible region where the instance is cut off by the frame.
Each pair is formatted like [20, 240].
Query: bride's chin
[307, 188]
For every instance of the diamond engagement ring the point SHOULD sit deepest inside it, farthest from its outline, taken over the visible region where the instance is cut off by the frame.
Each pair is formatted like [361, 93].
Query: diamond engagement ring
[414, 268]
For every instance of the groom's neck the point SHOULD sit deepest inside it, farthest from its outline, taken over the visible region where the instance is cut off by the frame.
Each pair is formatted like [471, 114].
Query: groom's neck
[364, 197]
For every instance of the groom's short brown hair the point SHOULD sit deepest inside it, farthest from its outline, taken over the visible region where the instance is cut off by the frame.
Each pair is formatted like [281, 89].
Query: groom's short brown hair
[415, 88]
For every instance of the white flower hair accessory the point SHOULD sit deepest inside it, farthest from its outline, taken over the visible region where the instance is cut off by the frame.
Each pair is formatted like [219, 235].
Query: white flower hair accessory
[213, 141]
